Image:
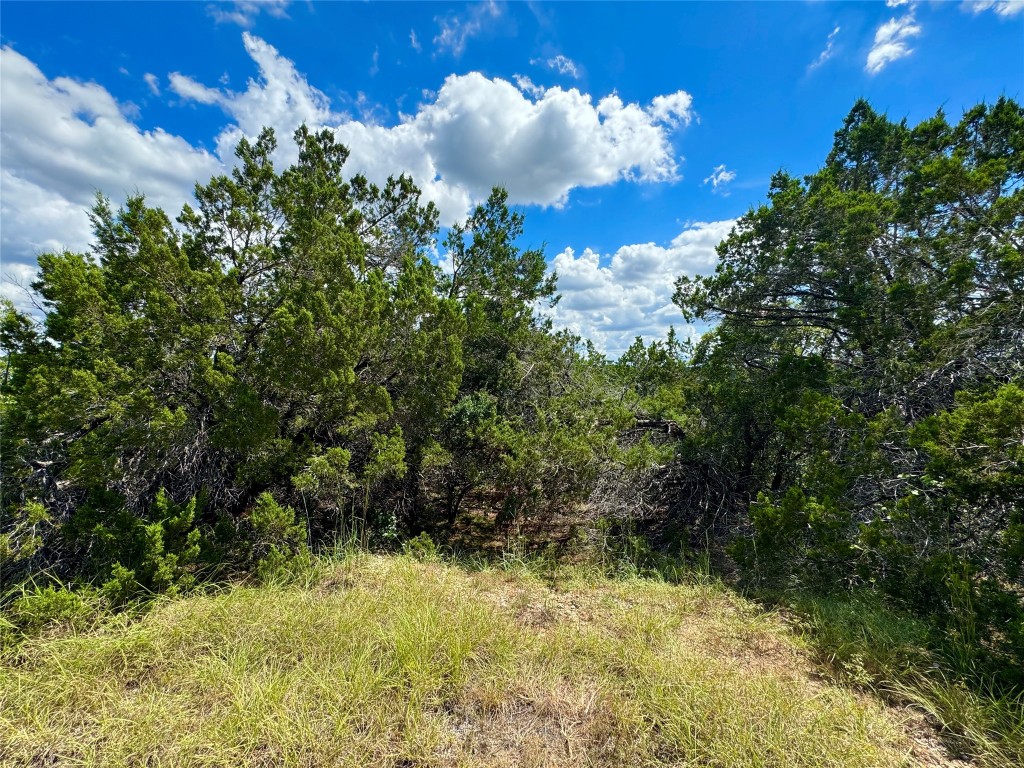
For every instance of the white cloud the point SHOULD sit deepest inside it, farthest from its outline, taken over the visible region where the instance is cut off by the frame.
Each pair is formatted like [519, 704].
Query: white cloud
[562, 64]
[891, 42]
[375, 65]
[474, 133]
[62, 140]
[414, 41]
[281, 98]
[719, 178]
[896, 3]
[190, 90]
[827, 53]
[613, 299]
[527, 86]
[673, 109]
[456, 30]
[153, 82]
[73, 138]
[1004, 8]
[480, 132]
[244, 12]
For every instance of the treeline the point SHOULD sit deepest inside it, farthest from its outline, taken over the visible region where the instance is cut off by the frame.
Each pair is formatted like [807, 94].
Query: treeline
[283, 365]
[280, 367]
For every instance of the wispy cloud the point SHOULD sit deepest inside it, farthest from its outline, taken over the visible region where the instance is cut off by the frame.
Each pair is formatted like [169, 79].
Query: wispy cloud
[153, 82]
[826, 54]
[190, 90]
[244, 12]
[891, 42]
[1004, 8]
[414, 41]
[527, 86]
[375, 66]
[456, 30]
[720, 178]
[562, 64]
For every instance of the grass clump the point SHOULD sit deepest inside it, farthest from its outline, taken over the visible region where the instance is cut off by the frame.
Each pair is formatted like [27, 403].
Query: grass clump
[403, 661]
[864, 642]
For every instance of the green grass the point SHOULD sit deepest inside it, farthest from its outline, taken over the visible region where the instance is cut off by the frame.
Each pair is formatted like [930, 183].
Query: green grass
[865, 643]
[386, 661]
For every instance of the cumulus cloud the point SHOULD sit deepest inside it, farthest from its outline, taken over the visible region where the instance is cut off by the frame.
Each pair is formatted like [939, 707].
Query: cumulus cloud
[720, 178]
[561, 64]
[64, 139]
[891, 42]
[244, 12]
[61, 141]
[1004, 8]
[611, 299]
[827, 53]
[473, 133]
[456, 30]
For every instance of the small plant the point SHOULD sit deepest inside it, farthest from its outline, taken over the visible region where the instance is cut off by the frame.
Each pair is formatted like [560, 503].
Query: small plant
[422, 549]
[39, 608]
[279, 541]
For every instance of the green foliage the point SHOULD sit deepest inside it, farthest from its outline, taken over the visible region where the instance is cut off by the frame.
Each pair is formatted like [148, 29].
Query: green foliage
[37, 608]
[798, 536]
[24, 536]
[498, 285]
[860, 396]
[865, 642]
[286, 335]
[516, 426]
[156, 554]
[278, 539]
[282, 368]
[288, 332]
[421, 548]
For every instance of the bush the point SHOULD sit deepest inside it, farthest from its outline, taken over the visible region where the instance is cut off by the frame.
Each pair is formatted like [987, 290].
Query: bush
[278, 541]
[39, 608]
[422, 548]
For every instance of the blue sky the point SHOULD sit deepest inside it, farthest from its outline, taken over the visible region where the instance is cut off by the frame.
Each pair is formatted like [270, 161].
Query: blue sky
[631, 135]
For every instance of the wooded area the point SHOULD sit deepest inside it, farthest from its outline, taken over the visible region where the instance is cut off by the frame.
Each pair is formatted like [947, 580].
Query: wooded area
[282, 366]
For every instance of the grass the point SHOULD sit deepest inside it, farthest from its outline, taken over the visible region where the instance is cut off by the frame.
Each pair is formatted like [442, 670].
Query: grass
[867, 644]
[388, 661]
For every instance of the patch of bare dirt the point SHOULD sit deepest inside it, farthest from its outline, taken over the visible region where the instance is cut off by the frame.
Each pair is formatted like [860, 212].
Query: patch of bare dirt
[555, 728]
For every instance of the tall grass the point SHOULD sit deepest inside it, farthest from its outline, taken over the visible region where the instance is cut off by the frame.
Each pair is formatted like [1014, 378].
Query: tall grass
[393, 661]
[866, 643]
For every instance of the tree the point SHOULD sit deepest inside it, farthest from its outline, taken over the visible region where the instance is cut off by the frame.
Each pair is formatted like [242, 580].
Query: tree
[516, 428]
[499, 287]
[290, 316]
[861, 308]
